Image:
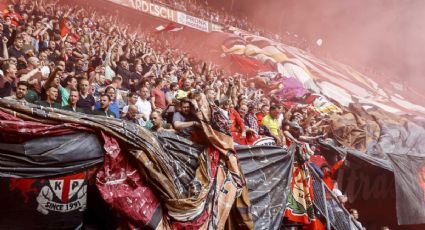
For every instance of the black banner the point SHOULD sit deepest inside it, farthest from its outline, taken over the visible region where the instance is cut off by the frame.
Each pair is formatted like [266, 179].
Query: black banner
[44, 203]
[409, 172]
[267, 171]
[50, 156]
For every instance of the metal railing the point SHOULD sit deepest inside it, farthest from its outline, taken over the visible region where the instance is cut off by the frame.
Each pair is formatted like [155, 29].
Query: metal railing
[336, 215]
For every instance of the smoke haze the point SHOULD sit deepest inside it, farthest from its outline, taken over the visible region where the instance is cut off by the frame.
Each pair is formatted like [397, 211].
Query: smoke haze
[384, 35]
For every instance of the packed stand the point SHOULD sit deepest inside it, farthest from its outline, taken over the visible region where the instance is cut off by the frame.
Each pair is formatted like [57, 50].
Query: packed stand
[201, 9]
[67, 58]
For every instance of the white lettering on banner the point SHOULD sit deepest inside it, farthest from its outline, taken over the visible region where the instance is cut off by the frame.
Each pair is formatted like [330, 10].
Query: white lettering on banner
[58, 207]
[192, 22]
[150, 8]
[169, 14]
[70, 195]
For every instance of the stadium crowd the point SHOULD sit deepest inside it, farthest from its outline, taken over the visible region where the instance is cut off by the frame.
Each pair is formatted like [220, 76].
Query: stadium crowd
[202, 9]
[66, 58]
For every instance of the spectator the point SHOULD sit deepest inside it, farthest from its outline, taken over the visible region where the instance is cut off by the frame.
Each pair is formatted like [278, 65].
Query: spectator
[237, 126]
[136, 77]
[112, 104]
[123, 70]
[33, 75]
[184, 121]
[15, 51]
[103, 110]
[157, 95]
[53, 80]
[170, 96]
[355, 214]
[52, 94]
[132, 115]
[263, 112]
[271, 121]
[250, 119]
[132, 100]
[71, 84]
[183, 93]
[8, 81]
[329, 172]
[144, 105]
[86, 101]
[72, 102]
[158, 125]
[21, 92]
[251, 134]
[338, 194]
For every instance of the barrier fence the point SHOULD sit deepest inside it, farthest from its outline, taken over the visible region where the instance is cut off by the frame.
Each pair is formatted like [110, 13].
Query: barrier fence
[327, 204]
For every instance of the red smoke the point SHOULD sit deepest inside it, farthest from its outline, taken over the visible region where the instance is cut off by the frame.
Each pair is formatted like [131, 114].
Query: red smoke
[382, 37]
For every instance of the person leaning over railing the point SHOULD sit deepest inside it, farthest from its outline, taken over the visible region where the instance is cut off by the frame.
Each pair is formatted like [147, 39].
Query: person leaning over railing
[355, 223]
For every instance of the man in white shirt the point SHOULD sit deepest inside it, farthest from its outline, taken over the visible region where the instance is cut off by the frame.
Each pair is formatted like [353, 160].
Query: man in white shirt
[134, 101]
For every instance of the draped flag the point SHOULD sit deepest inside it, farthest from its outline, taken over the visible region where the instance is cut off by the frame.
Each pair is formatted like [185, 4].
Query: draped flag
[409, 172]
[170, 27]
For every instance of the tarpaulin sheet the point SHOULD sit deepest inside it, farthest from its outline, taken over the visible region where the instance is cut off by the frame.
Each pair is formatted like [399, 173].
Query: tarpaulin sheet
[202, 196]
[48, 156]
[123, 189]
[45, 171]
[370, 186]
[398, 135]
[409, 172]
[267, 171]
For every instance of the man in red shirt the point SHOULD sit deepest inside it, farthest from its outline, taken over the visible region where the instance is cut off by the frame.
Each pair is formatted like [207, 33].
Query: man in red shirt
[264, 111]
[329, 172]
[157, 95]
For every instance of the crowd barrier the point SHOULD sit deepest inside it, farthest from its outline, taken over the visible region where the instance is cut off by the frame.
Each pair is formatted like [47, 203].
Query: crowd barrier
[336, 215]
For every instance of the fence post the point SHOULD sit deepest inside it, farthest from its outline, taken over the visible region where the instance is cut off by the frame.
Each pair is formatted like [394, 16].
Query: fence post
[328, 220]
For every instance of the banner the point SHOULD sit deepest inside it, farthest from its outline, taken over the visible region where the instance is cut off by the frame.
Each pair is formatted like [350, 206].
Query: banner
[267, 171]
[165, 12]
[46, 156]
[409, 172]
[192, 22]
[54, 203]
[149, 8]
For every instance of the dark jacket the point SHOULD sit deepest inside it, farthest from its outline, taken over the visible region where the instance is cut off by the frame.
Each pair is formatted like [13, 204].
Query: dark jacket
[101, 112]
[69, 108]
